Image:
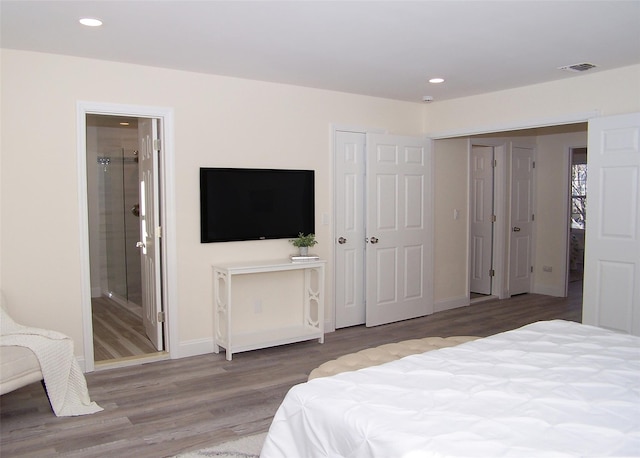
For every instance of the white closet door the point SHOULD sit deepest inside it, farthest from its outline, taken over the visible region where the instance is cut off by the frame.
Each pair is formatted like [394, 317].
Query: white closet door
[349, 229]
[399, 229]
[612, 249]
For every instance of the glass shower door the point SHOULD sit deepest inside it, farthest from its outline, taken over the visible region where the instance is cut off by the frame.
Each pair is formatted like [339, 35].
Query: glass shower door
[114, 222]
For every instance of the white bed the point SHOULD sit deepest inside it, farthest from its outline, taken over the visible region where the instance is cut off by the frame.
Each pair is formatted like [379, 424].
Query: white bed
[549, 389]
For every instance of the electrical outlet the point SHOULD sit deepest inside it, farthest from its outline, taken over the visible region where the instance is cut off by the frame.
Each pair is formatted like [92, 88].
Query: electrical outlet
[547, 269]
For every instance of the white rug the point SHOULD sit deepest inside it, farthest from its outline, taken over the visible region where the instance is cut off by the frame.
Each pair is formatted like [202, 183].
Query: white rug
[245, 447]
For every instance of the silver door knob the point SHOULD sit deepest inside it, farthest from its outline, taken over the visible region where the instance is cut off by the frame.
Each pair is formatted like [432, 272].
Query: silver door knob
[342, 240]
[373, 240]
[139, 244]
[516, 229]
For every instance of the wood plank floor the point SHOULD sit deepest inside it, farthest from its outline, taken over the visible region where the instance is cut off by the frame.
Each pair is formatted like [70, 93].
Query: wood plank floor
[174, 406]
[117, 331]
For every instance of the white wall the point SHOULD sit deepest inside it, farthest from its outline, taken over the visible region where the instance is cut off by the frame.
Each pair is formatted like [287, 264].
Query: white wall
[451, 192]
[552, 209]
[219, 121]
[605, 92]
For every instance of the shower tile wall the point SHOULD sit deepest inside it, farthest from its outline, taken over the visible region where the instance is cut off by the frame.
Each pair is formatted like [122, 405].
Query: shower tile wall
[114, 229]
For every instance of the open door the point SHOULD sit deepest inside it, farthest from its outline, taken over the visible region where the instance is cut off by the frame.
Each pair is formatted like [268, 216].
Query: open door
[612, 251]
[399, 235]
[149, 243]
[481, 220]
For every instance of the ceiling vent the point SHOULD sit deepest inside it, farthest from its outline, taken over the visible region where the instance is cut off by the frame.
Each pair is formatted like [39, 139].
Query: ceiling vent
[582, 67]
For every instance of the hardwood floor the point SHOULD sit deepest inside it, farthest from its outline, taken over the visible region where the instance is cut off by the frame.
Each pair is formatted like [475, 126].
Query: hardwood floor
[117, 331]
[174, 406]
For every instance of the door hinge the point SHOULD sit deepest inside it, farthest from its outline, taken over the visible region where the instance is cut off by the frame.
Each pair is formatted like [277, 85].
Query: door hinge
[493, 218]
[159, 232]
[533, 217]
[533, 164]
[160, 317]
[531, 269]
[157, 144]
[495, 163]
[492, 273]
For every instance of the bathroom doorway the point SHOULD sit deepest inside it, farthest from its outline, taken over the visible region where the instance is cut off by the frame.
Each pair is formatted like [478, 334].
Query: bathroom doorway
[114, 232]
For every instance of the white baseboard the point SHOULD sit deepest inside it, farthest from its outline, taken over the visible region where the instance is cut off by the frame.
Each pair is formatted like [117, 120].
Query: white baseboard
[194, 348]
[549, 290]
[450, 303]
[329, 326]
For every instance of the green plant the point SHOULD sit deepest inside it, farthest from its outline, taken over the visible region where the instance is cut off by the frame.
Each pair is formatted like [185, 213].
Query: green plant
[304, 240]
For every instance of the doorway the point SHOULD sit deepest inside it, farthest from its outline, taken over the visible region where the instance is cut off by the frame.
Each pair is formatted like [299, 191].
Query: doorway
[164, 247]
[113, 189]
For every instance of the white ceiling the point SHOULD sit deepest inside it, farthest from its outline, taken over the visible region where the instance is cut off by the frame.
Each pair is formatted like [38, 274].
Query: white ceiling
[384, 49]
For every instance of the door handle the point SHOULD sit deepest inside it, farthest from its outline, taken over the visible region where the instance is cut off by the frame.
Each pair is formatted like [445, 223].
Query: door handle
[373, 240]
[342, 240]
[139, 244]
[516, 229]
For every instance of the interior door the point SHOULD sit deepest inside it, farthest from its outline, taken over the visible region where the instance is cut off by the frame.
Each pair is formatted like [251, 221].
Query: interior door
[399, 235]
[481, 220]
[349, 228]
[612, 251]
[150, 230]
[520, 254]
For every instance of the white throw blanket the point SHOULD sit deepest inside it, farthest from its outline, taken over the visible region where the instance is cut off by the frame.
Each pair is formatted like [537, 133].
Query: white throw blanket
[63, 378]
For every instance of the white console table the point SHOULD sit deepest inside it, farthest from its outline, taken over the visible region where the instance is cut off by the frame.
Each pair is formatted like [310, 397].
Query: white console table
[311, 327]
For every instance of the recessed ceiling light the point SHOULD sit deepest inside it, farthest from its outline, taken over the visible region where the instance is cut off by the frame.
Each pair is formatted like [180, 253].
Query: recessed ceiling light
[124, 123]
[436, 80]
[90, 22]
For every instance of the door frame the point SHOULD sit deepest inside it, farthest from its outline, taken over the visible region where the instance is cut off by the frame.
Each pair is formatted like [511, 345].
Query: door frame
[167, 221]
[501, 131]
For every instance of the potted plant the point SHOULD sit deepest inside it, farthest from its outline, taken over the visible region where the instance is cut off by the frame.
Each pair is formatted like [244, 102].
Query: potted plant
[303, 242]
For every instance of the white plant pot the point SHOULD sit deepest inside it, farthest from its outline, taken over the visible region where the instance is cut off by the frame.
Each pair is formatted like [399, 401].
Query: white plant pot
[304, 250]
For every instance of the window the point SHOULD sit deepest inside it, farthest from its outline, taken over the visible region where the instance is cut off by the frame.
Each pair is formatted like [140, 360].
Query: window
[578, 195]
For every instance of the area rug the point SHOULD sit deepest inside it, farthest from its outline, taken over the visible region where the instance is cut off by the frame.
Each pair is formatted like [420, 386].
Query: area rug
[245, 447]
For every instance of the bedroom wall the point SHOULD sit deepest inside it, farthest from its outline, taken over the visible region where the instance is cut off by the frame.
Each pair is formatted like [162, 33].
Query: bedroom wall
[219, 121]
[605, 92]
[451, 193]
[552, 196]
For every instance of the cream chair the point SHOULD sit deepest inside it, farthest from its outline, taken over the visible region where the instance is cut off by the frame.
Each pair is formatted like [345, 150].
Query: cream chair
[18, 367]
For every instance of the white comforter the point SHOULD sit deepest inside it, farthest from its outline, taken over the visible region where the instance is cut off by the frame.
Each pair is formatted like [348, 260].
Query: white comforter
[549, 389]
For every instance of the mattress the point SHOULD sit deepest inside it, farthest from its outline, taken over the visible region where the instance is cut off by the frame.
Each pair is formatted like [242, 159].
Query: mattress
[549, 389]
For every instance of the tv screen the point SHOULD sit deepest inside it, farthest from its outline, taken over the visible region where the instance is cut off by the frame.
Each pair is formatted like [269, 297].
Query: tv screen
[254, 204]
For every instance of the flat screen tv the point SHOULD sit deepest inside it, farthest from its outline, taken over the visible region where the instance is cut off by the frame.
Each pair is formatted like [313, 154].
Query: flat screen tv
[255, 204]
